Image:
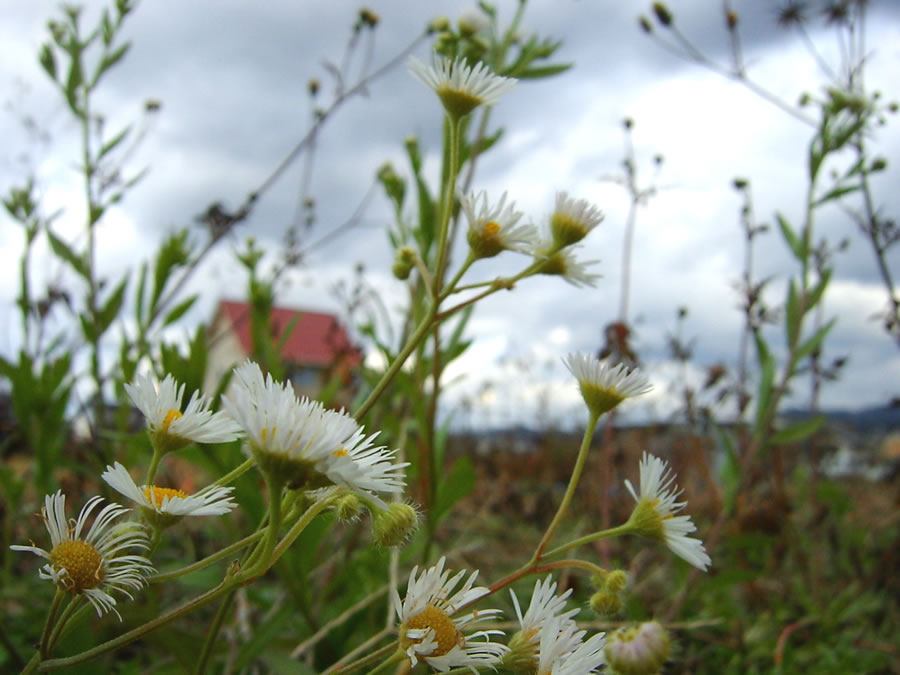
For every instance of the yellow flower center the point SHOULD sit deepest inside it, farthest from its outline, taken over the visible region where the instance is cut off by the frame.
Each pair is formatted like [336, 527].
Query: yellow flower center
[340, 453]
[156, 495]
[491, 229]
[170, 417]
[447, 635]
[81, 561]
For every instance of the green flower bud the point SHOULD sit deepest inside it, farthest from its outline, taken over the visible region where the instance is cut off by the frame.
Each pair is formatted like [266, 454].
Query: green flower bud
[348, 508]
[616, 581]
[663, 15]
[394, 526]
[606, 604]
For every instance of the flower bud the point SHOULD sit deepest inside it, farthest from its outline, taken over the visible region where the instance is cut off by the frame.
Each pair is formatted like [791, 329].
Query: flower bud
[348, 508]
[393, 526]
[646, 26]
[663, 15]
[472, 21]
[616, 581]
[404, 261]
[438, 25]
[638, 650]
[606, 604]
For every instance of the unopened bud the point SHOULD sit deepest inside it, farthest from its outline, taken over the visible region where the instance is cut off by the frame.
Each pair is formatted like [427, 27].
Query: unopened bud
[472, 21]
[663, 15]
[740, 183]
[616, 581]
[731, 19]
[313, 87]
[404, 260]
[438, 24]
[348, 508]
[646, 26]
[880, 164]
[368, 17]
[606, 604]
[638, 650]
[393, 526]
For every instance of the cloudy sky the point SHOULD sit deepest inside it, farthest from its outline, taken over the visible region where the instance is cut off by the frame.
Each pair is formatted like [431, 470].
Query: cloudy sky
[232, 79]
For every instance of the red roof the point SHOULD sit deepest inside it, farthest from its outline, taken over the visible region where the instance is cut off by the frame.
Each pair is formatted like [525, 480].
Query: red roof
[317, 339]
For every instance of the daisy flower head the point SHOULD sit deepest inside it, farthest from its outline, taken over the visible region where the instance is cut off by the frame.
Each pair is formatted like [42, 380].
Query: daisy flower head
[545, 606]
[603, 384]
[427, 630]
[641, 649]
[92, 561]
[170, 428]
[572, 219]
[654, 516]
[461, 87]
[564, 264]
[492, 229]
[305, 445]
[563, 651]
[163, 507]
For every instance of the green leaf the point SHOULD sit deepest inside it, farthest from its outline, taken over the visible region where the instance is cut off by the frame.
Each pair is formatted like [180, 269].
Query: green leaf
[48, 61]
[139, 295]
[835, 194]
[110, 145]
[109, 60]
[458, 482]
[111, 308]
[814, 342]
[730, 471]
[544, 71]
[62, 250]
[179, 310]
[792, 313]
[766, 380]
[815, 294]
[798, 248]
[797, 432]
[73, 81]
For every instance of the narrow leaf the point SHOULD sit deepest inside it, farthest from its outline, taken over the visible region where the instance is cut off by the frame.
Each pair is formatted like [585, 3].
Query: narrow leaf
[797, 432]
[814, 342]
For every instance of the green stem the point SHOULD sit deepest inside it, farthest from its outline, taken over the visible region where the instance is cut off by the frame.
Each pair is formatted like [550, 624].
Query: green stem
[209, 560]
[154, 465]
[50, 622]
[602, 534]
[132, 635]
[232, 475]
[213, 633]
[363, 661]
[265, 559]
[450, 197]
[570, 490]
[301, 524]
[448, 289]
[387, 665]
[397, 364]
[70, 614]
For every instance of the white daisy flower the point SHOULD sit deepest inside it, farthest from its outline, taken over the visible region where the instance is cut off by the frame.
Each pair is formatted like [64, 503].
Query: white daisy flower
[307, 445]
[427, 630]
[461, 87]
[572, 219]
[492, 229]
[641, 648]
[172, 429]
[563, 263]
[544, 606]
[165, 506]
[654, 516]
[562, 651]
[96, 562]
[603, 384]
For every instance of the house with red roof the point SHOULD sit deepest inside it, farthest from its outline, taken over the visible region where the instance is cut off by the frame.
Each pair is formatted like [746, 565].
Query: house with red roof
[316, 349]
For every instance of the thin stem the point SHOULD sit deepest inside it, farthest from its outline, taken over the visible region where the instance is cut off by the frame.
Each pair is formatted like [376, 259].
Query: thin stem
[70, 615]
[51, 619]
[365, 660]
[301, 524]
[387, 665]
[587, 539]
[339, 620]
[209, 560]
[266, 558]
[397, 364]
[154, 465]
[213, 633]
[131, 636]
[570, 490]
[450, 196]
[232, 475]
